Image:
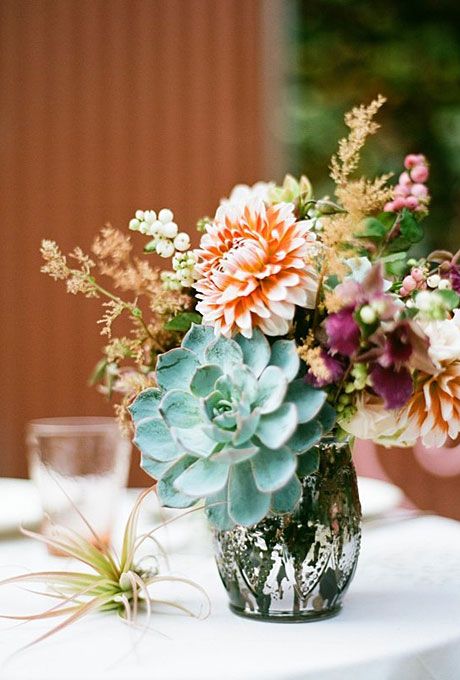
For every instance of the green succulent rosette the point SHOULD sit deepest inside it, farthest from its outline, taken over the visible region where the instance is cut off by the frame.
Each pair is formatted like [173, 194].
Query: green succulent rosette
[230, 422]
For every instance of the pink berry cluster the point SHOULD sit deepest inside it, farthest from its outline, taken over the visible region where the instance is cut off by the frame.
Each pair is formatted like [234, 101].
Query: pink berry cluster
[411, 191]
[413, 281]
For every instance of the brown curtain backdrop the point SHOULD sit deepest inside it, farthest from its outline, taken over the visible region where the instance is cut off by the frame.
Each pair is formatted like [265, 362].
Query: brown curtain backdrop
[109, 106]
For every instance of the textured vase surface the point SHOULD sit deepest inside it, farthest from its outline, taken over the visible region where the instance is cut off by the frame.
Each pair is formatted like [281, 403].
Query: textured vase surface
[297, 567]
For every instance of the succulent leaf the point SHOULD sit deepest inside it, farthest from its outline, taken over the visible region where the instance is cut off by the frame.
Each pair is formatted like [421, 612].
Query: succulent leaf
[272, 389]
[327, 417]
[246, 504]
[306, 436]
[284, 355]
[276, 428]
[256, 351]
[167, 492]
[180, 409]
[175, 368]
[273, 469]
[224, 353]
[308, 463]
[154, 439]
[287, 498]
[308, 400]
[146, 404]
[204, 379]
[202, 478]
[229, 422]
[197, 339]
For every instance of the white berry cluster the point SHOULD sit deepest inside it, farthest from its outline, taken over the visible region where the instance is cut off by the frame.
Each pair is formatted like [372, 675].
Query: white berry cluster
[182, 275]
[166, 238]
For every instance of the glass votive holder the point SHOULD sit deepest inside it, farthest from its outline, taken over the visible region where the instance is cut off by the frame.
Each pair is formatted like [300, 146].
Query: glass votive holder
[80, 467]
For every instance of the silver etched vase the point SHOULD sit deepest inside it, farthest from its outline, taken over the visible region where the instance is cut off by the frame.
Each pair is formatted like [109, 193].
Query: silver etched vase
[297, 567]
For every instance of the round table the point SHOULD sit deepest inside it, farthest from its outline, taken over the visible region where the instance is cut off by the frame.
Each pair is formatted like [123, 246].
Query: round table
[400, 619]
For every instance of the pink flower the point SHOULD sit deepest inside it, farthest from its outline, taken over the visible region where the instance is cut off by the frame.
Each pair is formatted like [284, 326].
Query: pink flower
[420, 173]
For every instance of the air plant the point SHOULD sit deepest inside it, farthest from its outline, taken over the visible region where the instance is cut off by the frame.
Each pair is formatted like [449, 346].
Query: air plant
[117, 584]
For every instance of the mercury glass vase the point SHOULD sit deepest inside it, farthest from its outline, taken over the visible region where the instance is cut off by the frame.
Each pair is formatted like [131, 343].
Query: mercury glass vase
[297, 567]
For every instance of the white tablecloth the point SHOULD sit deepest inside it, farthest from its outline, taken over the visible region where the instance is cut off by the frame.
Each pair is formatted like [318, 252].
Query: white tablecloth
[400, 621]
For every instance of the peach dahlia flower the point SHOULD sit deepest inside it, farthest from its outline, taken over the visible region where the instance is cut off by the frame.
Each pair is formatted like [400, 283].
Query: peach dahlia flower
[434, 410]
[252, 270]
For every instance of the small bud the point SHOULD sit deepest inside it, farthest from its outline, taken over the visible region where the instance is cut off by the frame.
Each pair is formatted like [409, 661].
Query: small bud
[134, 224]
[169, 229]
[444, 284]
[419, 173]
[139, 214]
[409, 283]
[433, 281]
[182, 241]
[367, 314]
[165, 215]
[165, 248]
[417, 274]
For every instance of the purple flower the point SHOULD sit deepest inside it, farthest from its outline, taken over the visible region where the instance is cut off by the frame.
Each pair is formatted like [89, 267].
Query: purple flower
[397, 348]
[394, 386]
[332, 366]
[343, 332]
[454, 276]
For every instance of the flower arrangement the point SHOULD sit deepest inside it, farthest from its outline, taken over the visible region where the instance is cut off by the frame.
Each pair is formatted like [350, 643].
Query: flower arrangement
[296, 318]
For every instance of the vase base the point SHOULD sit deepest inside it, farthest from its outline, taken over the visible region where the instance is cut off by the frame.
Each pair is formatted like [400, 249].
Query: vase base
[287, 617]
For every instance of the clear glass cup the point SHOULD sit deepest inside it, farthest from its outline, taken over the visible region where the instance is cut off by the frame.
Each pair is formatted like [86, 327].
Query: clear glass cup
[79, 465]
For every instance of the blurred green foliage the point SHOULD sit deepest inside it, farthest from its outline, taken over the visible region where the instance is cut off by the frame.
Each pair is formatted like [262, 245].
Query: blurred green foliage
[345, 52]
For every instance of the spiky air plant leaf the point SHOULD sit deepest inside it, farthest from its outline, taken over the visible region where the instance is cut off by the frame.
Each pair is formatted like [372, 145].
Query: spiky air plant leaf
[118, 584]
[227, 423]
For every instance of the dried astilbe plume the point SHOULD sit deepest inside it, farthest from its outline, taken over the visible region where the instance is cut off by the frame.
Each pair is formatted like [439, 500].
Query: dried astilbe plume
[358, 198]
[114, 583]
[361, 124]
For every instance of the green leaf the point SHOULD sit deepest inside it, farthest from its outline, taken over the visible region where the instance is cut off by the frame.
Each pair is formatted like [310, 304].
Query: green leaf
[410, 228]
[98, 372]
[183, 321]
[273, 469]
[450, 298]
[287, 498]
[395, 264]
[373, 229]
[308, 463]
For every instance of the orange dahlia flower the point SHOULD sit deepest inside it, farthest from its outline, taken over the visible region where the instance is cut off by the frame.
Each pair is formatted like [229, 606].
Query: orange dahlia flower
[252, 264]
[434, 410]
